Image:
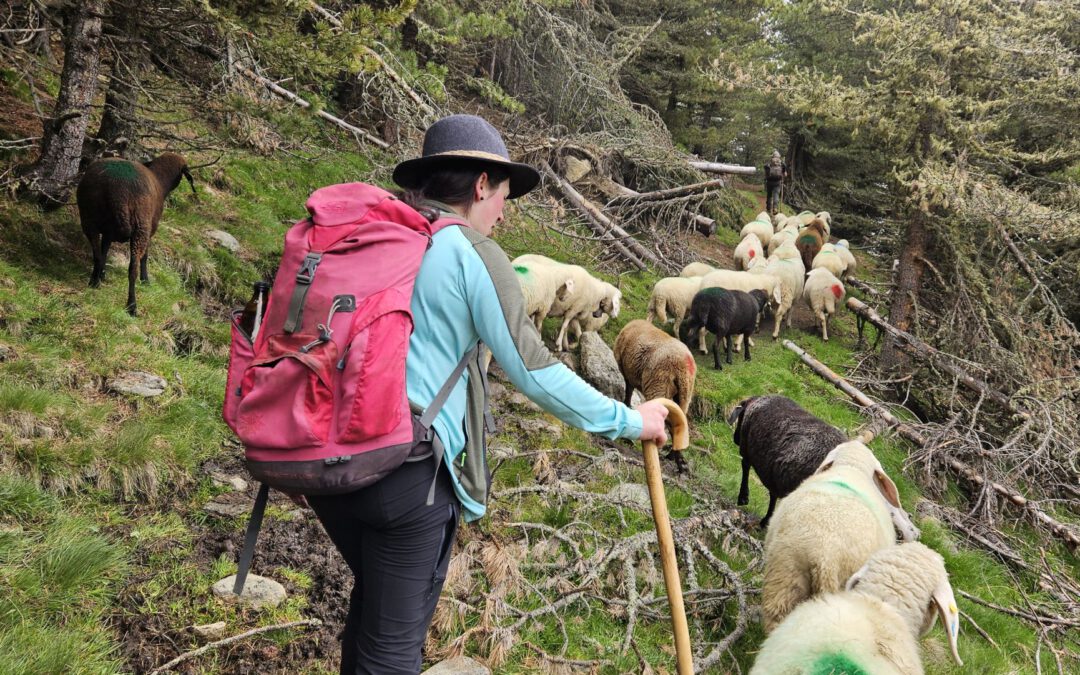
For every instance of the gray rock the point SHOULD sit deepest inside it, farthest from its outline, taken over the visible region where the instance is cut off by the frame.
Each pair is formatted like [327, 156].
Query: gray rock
[227, 509]
[598, 366]
[237, 483]
[635, 493]
[210, 631]
[522, 401]
[459, 665]
[137, 383]
[541, 427]
[496, 391]
[223, 239]
[258, 591]
[576, 169]
[500, 452]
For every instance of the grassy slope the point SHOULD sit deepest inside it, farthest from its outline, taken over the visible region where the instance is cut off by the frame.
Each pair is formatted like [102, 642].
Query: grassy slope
[97, 490]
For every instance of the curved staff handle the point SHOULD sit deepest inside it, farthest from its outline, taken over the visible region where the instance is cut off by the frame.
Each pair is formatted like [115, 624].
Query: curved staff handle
[680, 438]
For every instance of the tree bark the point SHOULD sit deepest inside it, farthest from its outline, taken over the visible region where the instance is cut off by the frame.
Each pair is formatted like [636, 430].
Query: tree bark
[51, 179]
[121, 101]
[905, 291]
[718, 167]
[670, 193]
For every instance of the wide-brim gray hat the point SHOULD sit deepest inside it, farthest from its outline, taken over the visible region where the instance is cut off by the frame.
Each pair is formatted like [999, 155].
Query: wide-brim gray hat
[464, 137]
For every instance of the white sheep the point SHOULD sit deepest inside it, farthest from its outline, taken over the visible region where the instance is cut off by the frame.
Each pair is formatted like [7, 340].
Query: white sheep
[672, 295]
[826, 217]
[542, 285]
[748, 252]
[696, 269]
[762, 228]
[872, 626]
[778, 221]
[786, 265]
[744, 281]
[589, 297]
[828, 258]
[805, 217]
[827, 528]
[844, 251]
[784, 235]
[823, 292]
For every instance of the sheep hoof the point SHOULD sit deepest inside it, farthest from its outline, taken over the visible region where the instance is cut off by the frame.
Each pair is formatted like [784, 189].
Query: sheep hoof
[95, 282]
[131, 310]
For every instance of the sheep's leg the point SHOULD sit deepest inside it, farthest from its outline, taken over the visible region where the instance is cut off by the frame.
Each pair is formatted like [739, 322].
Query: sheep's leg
[716, 352]
[143, 276]
[727, 348]
[562, 335]
[133, 272]
[785, 585]
[702, 347]
[744, 487]
[678, 324]
[106, 242]
[629, 392]
[575, 328]
[746, 347]
[778, 320]
[98, 273]
[824, 326]
[768, 514]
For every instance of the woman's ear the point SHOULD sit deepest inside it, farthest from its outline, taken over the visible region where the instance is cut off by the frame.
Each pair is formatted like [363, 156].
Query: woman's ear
[480, 187]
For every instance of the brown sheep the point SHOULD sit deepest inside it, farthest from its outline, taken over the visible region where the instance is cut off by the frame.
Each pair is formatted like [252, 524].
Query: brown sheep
[122, 201]
[658, 365]
[811, 239]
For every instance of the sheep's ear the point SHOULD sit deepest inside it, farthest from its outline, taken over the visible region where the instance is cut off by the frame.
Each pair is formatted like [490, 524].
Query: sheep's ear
[735, 419]
[856, 578]
[776, 294]
[950, 614]
[827, 463]
[887, 487]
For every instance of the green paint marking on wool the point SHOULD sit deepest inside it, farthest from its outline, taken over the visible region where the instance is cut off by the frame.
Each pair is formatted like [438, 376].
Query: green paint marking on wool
[121, 170]
[836, 664]
[523, 271]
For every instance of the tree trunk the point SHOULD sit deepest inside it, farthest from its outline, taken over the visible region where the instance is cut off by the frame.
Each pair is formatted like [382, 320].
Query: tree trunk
[51, 178]
[121, 102]
[905, 291]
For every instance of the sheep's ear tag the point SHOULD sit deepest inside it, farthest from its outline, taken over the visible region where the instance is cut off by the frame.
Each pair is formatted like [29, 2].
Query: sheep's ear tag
[950, 615]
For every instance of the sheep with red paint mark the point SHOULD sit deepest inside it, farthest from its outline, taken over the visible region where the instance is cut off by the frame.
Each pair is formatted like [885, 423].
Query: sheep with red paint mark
[749, 252]
[823, 292]
[658, 365]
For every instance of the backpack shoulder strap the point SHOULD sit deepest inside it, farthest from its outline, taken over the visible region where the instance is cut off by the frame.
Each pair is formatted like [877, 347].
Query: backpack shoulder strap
[428, 416]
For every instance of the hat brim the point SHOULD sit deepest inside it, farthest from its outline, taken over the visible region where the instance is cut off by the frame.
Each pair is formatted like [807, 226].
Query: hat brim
[410, 173]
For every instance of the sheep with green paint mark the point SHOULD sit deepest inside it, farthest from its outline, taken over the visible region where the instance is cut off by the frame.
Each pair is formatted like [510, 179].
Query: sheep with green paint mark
[121, 201]
[844, 251]
[762, 228]
[827, 528]
[590, 297]
[786, 266]
[873, 626]
[542, 286]
[828, 258]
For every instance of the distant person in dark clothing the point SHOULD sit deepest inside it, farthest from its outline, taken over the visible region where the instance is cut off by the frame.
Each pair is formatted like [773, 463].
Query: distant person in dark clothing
[776, 172]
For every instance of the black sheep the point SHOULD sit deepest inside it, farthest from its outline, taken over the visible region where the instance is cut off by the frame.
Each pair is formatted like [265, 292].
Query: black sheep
[122, 201]
[725, 314]
[784, 443]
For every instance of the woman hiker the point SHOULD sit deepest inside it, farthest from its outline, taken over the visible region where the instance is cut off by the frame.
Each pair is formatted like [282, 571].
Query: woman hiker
[396, 534]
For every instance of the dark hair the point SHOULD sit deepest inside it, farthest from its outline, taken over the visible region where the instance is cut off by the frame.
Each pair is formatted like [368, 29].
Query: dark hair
[452, 184]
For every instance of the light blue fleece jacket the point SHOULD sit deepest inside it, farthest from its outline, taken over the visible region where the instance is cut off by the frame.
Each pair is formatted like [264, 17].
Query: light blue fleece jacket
[467, 291]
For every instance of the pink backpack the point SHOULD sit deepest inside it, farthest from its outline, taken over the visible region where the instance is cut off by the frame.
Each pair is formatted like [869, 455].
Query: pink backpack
[319, 399]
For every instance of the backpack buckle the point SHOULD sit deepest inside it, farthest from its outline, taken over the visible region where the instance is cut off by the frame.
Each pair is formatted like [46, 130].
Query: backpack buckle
[307, 268]
[331, 461]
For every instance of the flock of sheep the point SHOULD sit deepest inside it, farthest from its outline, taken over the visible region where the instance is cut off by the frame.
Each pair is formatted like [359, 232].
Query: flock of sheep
[839, 594]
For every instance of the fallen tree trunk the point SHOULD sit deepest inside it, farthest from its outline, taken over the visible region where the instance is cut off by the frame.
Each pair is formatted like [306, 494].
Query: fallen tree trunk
[863, 286]
[717, 167]
[293, 98]
[705, 226]
[670, 193]
[626, 245]
[965, 471]
[925, 352]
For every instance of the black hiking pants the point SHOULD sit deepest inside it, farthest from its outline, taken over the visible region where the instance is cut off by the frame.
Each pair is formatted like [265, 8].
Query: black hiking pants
[772, 196]
[398, 549]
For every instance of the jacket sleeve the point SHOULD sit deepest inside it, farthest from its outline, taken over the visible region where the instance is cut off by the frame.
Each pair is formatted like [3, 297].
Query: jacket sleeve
[493, 294]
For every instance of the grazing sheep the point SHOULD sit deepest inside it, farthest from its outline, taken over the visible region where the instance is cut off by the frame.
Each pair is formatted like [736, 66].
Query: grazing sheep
[844, 251]
[542, 286]
[805, 217]
[827, 528]
[823, 292]
[782, 442]
[748, 252]
[696, 269]
[829, 259]
[589, 297]
[658, 365]
[762, 228]
[725, 314]
[787, 267]
[745, 281]
[121, 201]
[672, 295]
[811, 239]
[873, 626]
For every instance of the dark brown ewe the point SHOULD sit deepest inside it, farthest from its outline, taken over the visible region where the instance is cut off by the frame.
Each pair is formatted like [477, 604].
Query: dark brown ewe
[121, 201]
[811, 239]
